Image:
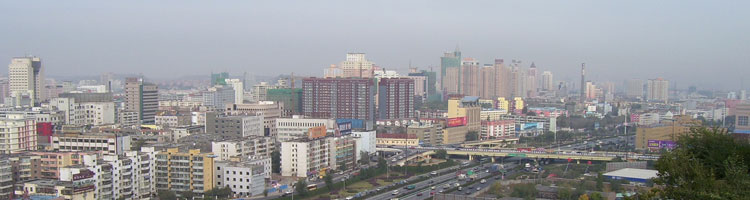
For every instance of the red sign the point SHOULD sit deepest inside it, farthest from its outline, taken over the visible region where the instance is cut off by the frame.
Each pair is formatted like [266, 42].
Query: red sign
[589, 162]
[569, 159]
[457, 121]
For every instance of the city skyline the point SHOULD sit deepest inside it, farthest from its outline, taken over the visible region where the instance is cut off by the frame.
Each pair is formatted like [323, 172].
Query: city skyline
[617, 41]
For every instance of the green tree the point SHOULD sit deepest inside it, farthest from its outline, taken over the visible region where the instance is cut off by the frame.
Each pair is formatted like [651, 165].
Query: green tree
[382, 164]
[596, 196]
[187, 195]
[706, 164]
[166, 195]
[137, 145]
[564, 193]
[600, 182]
[276, 161]
[525, 191]
[615, 186]
[329, 182]
[342, 166]
[441, 153]
[265, 192]
[301, 187]
[223, 192]
[364, 158]
[472, 136]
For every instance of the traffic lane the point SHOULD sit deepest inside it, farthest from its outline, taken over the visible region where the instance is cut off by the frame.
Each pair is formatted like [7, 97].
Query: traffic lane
[388, 194]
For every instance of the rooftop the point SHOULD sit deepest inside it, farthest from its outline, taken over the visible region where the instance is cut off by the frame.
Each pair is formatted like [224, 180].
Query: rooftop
[634, 173]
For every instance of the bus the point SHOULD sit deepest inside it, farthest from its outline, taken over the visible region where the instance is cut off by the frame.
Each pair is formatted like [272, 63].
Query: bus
[312, 187]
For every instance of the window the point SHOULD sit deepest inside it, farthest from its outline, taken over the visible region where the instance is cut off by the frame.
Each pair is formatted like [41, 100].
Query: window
[742, 121]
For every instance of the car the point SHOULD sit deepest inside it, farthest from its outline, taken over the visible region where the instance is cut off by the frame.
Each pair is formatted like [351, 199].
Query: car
[433, 173]
[432, 188]
[432, 193]
[395, 192]
[478, 188]
[483, 181]
[432, 181]
[460, 188]
[457, 184]
[419, 194]
[349, 198]
[468, 192]
[441, 191]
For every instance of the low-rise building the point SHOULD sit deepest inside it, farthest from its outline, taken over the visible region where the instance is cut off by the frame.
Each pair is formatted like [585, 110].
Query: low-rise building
[428, 134]
[365, 141]
[498, 129]
[243, 178]
[79, 189]
[397, 139]
[296, 126]
[107, 143]
[173, 119]
[240, 125]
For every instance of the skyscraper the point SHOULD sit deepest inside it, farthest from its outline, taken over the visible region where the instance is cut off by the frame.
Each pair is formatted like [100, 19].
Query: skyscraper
[657, 90]
[430, 82]
[25, 76]
[142, 98]
[548, 81]
[583, 83]
[487, 73]
[532, 79]
[219, 78]
[348, 98]
[471, 79]
[502, 79]
[634, 88]
[450, 72]
[396, 98]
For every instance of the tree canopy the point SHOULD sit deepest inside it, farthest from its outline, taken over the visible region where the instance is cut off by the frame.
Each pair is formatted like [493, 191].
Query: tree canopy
[707, 164]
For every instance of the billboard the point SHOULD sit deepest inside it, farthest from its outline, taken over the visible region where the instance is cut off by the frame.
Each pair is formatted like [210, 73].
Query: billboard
[530, 126]
[456, 121]
[344, 128]
[316, 132]
[661, 144]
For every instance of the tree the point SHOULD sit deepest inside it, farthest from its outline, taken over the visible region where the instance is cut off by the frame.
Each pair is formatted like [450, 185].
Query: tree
[706, 164]
[382, 164]
[265, 192]
[583, 197]
[441, 153]
[223, 192]
[472, 136]
[276, 161]
[187, 195]
[564, 193]
[525, 191]
[329, 182]
[301, 187]
[137, 145]
[364, 158]
[342, 166]
[615, 186]
[596, 196]
[166, 195]
[600, 182]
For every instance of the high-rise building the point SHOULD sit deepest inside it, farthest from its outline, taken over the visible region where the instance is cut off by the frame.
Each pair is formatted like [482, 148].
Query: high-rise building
[471, 78]
[450, 72]
[396, 98]
[219, 78]
[532, 79]
[238, 126]
[350, 98]
[503, 86]
[17, 133]
[467, 107]
[356, 65]
[657, 90]
[268, 109]
[142, 98]
[25, 76]
[634, 88]
[239, 89]
[548, 81]
[430, 82]
[260, 91]
[583, 83]
[487, 73]
[291, 98]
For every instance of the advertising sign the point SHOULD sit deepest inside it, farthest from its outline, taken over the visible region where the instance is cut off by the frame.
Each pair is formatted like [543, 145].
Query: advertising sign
[661, 144]
[316, 132]
[456, 121]
[345, 128]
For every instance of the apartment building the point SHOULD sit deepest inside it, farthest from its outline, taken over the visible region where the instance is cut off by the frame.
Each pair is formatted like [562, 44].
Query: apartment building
[184, 170]
[239, 126]
[269, 110]
[107, 143]
[17, 133]
[297, 126]
[243, 178]
[244, 148]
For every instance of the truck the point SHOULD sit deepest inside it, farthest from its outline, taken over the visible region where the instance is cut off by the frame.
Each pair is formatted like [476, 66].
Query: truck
[461, 176]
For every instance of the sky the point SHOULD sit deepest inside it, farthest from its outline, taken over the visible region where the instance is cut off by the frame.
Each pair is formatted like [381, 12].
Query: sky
[702, 43]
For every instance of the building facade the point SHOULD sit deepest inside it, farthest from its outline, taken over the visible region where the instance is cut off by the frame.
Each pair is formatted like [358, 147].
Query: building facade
[142, 98]
[17, 133]
[396, 98]
[349, 98]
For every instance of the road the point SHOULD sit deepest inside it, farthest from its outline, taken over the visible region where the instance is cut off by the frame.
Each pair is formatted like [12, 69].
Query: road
[441, 176]
[427, 191]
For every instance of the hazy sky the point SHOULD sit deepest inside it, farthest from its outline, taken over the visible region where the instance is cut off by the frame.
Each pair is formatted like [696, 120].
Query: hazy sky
[706, 43]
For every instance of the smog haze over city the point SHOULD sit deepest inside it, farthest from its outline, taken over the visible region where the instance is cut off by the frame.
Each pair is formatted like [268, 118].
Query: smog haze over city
[374, 100]
[688, 42]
